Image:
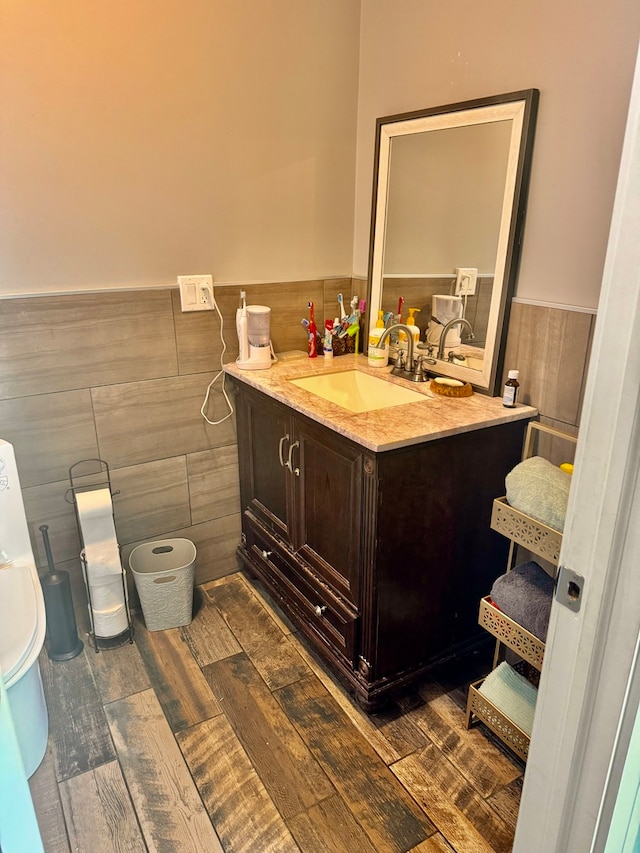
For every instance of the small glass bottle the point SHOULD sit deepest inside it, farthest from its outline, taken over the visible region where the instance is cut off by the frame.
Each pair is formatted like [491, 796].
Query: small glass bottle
[510, 393]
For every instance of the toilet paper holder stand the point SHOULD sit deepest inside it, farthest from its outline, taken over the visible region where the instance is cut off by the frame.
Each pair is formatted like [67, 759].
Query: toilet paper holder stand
[98, 478]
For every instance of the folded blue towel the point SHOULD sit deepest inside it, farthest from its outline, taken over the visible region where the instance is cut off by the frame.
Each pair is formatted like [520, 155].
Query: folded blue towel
[524, 594]
[512, 694]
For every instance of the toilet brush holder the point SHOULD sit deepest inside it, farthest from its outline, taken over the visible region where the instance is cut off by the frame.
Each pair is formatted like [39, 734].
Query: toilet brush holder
[63, 642]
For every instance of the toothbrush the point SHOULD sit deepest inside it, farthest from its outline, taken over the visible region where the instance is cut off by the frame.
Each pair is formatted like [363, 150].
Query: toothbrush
[241, 329]
[312, 347]
[305, 325]
[343, 313]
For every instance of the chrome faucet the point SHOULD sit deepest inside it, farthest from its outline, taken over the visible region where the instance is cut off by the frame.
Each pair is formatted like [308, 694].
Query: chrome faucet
[443, 336]
[416, 374]
[407, 331]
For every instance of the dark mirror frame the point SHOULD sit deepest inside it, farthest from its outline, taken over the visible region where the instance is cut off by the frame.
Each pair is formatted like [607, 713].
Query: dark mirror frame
[487, 381]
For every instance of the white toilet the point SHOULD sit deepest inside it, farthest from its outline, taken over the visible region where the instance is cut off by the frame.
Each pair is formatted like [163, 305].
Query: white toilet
[22, 618]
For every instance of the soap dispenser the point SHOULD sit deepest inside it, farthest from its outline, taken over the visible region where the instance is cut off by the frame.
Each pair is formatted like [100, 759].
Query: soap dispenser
[377, 356]
[413, 328]
[415, 332]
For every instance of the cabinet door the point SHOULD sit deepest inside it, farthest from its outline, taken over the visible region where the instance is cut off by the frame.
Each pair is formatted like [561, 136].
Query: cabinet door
[264, 440]
[328, 506]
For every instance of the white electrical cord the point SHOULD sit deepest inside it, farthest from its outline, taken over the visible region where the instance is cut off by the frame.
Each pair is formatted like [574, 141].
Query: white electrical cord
[216, 377]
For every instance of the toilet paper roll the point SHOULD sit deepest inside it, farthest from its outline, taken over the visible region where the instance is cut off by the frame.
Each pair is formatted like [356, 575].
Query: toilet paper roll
[106, 596]
[95, 515]
[110, 623]
[96, 511]
[103, 560]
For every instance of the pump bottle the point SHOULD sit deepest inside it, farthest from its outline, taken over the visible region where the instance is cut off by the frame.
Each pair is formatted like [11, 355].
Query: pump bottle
[413, 328]
[377, 357]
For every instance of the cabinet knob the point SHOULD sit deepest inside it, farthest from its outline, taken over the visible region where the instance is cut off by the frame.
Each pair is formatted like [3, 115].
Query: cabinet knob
[320, 608]
[266, 554]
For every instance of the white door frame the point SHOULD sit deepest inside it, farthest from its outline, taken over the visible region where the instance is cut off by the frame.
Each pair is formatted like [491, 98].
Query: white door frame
[589, 690]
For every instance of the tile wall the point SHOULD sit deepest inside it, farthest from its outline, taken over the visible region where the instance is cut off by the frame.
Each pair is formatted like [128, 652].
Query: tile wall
[122, 376]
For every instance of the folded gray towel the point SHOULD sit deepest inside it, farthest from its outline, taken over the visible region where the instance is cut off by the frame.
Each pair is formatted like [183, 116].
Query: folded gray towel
[540, 489]
[524, 594]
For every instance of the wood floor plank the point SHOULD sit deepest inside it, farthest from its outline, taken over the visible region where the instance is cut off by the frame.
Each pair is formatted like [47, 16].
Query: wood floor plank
[76, 717]
[434, 844]
[169, 808]
[454, 806]
[329, 827]
[208, 636]
[400, 730]
[255, 586]
[261, 638]
[118, 672]
[506, 802]
[48, 806]
[468, 749]
[238, 804]
[180, 686]
[364, 723]
[288, 771]
[383, 808]
[99, 813]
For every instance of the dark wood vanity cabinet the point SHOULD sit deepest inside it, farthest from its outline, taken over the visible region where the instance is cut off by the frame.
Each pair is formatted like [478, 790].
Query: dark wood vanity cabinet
[379, 558]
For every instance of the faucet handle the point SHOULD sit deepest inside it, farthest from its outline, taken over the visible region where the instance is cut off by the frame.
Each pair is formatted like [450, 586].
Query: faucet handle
[400, 360]
[419, 374]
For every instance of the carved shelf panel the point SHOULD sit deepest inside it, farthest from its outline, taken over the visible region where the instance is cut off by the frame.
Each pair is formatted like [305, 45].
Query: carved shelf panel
[526, 645]
[526, 531]
[480, 709]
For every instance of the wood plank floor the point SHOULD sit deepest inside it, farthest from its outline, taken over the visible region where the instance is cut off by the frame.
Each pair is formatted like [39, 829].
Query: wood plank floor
[229, 735]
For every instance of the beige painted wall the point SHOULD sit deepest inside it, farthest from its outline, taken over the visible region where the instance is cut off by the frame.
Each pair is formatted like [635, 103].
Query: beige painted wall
[145, 139]
[579, 53]
[142, 140]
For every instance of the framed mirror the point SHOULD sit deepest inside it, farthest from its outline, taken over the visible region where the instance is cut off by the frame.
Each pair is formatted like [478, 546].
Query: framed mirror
[449, 194]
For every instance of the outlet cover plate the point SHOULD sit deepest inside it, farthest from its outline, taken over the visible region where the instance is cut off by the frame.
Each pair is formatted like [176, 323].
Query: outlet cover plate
[196, 292]
[466, 279]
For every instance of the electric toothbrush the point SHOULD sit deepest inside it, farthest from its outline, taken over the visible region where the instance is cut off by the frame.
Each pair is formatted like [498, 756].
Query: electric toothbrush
[242, 330]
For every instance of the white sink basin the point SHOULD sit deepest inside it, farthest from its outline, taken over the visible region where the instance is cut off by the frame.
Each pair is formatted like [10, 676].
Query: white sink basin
[358, 391]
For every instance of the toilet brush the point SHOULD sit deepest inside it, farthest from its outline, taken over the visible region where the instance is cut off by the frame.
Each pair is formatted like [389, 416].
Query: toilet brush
[62, 633]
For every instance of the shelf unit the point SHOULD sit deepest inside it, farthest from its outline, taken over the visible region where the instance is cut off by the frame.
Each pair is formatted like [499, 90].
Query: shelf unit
[544, 542]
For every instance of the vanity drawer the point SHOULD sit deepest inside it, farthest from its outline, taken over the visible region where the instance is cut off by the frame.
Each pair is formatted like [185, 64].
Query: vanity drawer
[317, 607]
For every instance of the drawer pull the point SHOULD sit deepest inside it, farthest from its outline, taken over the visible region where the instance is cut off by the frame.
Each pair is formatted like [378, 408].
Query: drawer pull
[320, 608]
[266, 554]
[289, 462]
[280, 446]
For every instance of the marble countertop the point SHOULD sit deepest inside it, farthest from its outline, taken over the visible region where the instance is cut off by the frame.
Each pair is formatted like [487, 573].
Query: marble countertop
[383, 429]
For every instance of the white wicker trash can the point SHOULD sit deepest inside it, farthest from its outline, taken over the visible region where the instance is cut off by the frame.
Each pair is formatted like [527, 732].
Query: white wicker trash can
[163, 573]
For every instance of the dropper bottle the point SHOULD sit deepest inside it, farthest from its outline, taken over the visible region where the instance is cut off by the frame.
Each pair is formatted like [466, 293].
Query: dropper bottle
[510, 393]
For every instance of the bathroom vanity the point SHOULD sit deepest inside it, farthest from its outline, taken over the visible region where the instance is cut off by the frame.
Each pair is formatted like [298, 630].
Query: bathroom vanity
[372, 529]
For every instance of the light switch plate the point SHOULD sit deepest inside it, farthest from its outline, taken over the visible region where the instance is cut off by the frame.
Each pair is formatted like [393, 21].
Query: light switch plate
[196, 292]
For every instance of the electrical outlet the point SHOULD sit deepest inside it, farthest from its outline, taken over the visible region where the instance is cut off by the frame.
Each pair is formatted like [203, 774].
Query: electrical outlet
[466, 279]
[196, 292]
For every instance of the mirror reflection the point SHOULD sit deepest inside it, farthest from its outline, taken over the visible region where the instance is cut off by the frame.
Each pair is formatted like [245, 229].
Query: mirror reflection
[449, 194]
